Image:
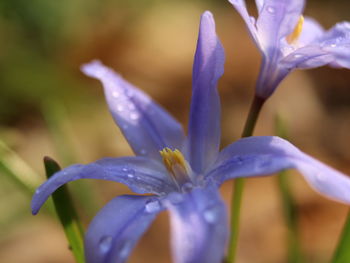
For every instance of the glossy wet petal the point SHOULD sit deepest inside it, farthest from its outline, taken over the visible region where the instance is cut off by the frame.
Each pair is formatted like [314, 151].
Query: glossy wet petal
[115, 230]
[147, 127]
[204, 126]
[198, 226]
[140, 174]
[277, 19]
[336, 42]
[258, 156]
[310, 56]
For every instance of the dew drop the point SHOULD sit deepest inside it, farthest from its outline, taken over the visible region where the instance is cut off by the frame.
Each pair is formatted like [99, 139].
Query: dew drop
[125, 169]
[105, 243]
[210, 215]
[134, 116]
[252, 19]
[175, 197]
[152, 206]
[130, 176]
[333, 45]
[297, 55]
[37, 191]
[143, 152]
[321, 177]
[115, 94]
[271, 10]
[124, 251]
[187, 187]
[131, 106]
[120, 108]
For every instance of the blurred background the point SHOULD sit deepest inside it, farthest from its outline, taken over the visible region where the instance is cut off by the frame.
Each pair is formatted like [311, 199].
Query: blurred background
[47, 107]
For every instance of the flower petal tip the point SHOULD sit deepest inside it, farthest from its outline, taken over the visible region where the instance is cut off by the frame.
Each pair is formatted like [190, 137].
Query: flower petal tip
[93, 69]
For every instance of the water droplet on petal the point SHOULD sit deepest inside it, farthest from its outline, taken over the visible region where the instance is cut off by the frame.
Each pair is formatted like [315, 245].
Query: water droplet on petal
[333, 45]
[115, 94]
[130, 175]
[200, 180]
[152, 206]
[131, 106]
[37, 191]
[134, 116]
[143, 152]
[120, 108]
[187, 187]
[124, 250]
[105, 243]
[175, 197]
[321, 177]
[252, 19]
[271, 10]
[210, 215]
[297, 55]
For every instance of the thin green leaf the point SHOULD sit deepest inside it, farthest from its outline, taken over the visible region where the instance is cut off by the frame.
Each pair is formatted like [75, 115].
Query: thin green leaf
[342, 252]
[290, 210]
[66, 213]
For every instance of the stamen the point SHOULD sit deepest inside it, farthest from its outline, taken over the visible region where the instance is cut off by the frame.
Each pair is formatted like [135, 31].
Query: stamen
[176, 165]
[297, 31]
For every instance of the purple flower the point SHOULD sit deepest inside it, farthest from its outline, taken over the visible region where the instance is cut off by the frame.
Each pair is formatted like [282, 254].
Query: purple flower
[181, 174]
[287, 41]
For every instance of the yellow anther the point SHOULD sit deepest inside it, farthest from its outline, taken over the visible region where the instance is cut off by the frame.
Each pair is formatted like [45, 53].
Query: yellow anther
[297, 31]
[174, 162]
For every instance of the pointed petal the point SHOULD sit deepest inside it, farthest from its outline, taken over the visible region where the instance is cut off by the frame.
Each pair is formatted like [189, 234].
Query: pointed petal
[198, 227]
[277, 19]
[147, 127]
[258, 156]
[204, 126]
[115, 230]
[140, 174]
[241, 8]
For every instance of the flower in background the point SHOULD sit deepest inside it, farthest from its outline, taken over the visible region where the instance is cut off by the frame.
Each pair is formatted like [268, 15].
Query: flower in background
[287, 41]
[181, 174]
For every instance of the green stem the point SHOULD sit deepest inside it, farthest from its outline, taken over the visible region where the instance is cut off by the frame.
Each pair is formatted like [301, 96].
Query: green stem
[289, 206]
[290, 215]
[238, 186]
[342, 252]
[67, 214]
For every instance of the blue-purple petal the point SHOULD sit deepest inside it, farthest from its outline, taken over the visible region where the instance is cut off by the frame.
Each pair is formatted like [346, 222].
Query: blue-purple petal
[241, 8]
[115, 230]
[259, 156]
[277, 19]
[140, 174]
[147, 127]
[204, 126]
[336, 42]
[198, 226]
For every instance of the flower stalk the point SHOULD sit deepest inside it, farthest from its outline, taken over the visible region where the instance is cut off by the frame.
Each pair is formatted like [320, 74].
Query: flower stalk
[238, 186]
[289, 206]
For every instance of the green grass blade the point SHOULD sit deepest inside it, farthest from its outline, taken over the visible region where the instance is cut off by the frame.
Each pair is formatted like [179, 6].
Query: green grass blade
[17, 170]
[290, 210]
[66, 213]
[342, 252]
